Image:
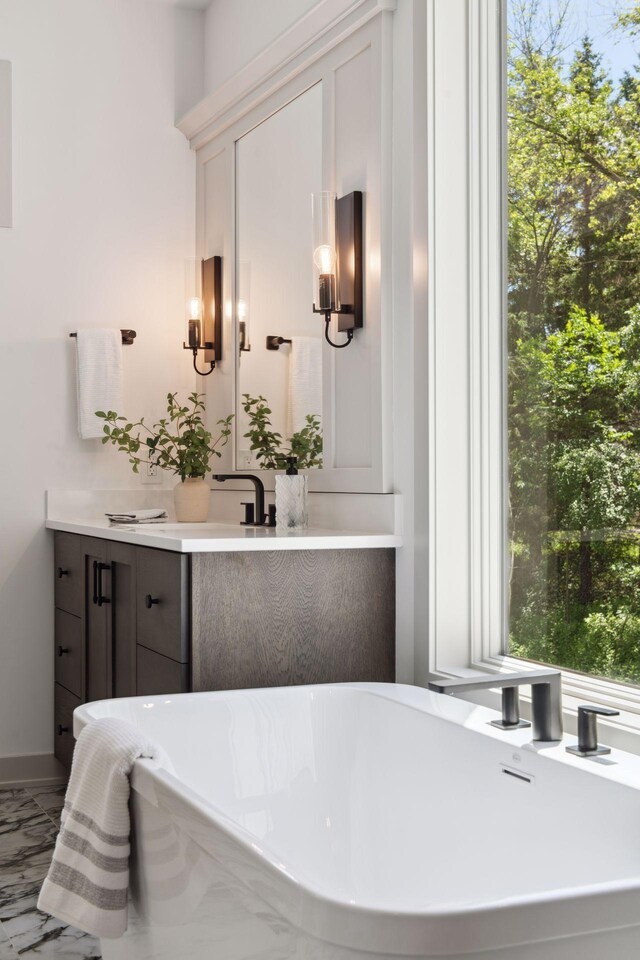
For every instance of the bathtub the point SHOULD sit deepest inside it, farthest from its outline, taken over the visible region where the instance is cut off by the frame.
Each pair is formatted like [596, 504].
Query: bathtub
[364, 821]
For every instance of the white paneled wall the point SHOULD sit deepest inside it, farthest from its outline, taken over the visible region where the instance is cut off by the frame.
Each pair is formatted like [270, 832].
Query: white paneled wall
[354, 67]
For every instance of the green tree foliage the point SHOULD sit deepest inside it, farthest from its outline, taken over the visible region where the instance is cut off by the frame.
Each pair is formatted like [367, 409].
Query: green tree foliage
[574, 350]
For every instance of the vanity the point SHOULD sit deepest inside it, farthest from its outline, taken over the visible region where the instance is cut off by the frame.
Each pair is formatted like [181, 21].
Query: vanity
[173, 608]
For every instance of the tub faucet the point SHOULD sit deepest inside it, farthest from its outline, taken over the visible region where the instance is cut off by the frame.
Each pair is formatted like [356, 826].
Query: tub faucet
[546, 699]
[254, 515]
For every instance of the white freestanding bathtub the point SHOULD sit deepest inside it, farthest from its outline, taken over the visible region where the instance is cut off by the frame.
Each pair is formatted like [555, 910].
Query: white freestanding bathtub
[372, 821]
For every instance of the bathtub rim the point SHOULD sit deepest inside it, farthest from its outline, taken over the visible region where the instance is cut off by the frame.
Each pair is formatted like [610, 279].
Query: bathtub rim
[449, 930]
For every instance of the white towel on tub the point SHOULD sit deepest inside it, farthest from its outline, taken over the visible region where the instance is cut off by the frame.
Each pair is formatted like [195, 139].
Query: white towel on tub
[305, 381]
[99, 372]
[88, 880]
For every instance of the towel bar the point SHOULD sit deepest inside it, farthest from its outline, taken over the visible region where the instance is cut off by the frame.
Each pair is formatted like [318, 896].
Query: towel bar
[128, 336]
[274, 343]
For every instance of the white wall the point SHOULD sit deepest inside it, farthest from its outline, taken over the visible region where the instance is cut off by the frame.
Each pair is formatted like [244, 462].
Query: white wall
[103, 191]
[236, 30]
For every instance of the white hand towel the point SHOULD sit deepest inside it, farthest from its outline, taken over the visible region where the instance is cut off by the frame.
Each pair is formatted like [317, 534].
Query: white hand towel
[99, 366]
[305, 381]
[139, 516]
[88, 880]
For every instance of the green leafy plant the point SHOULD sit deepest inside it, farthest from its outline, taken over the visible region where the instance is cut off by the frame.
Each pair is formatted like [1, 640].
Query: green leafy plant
[269, 446]
[179, 442]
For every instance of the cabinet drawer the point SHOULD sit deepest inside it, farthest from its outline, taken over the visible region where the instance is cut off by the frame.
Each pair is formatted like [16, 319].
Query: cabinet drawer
[162, 602]
[158, 674]
[69, 573]
[69, 659]
[65, 704]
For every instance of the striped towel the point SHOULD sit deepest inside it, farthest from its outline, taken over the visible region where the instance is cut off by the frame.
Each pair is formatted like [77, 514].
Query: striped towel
[88, 880]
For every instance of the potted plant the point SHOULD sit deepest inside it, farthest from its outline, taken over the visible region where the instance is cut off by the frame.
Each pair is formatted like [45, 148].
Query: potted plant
[301, 451]
[179, 442]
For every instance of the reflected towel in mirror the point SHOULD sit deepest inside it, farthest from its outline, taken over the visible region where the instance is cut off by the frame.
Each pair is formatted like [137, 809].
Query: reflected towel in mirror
[305, 381]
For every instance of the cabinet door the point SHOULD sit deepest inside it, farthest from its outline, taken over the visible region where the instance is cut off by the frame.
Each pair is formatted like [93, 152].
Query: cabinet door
[68, 571]
[123, 618]
[163, 602]
[69, 653]
[65, 704]
[157, 674]
[99, 651]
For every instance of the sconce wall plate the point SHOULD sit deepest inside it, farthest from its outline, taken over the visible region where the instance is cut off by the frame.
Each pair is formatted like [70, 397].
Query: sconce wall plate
[212, 308]
[205, 322]
[338, 257]
[349, 260]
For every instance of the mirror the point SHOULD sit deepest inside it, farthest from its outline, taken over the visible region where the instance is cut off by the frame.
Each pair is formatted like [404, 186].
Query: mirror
[278, 167]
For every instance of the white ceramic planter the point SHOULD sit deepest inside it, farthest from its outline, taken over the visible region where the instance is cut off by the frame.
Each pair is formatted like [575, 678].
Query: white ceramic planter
[191, 500]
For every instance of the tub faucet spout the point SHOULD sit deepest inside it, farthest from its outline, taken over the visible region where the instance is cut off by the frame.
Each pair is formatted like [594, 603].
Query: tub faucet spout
[546, 699]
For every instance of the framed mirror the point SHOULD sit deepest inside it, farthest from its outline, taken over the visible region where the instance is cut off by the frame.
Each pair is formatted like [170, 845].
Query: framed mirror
[278, 165]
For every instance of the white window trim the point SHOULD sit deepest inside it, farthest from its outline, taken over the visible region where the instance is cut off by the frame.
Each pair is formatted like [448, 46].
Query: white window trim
[467, 357]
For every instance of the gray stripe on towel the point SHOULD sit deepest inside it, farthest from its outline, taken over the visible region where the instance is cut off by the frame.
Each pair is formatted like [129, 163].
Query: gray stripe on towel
[86, 848]
[116, 840]
[75, 882]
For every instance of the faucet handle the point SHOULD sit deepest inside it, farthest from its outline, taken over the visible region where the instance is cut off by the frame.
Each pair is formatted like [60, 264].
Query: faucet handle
[249, 514]
[587, 745]
[510, 711]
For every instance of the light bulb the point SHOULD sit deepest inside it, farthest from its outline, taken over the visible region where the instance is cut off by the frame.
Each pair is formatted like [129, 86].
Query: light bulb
[324, 258]
[195, 308]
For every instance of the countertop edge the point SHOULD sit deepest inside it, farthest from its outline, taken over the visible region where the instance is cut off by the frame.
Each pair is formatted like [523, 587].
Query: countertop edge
[147, 536]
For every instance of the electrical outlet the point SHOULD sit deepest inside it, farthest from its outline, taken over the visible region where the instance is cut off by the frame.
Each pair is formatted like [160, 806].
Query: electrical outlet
[150, 474]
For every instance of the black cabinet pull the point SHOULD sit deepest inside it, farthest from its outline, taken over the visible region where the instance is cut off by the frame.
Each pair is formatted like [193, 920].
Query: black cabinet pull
[62, 573]
[95, 581]
[149, 601]
[62, 729]
[62, 650]
[100, 597]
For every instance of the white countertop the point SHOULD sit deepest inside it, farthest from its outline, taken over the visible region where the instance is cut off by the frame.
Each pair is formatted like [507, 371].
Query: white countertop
[224, 538]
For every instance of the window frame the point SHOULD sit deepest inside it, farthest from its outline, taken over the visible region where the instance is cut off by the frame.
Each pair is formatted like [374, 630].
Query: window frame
[468, 484]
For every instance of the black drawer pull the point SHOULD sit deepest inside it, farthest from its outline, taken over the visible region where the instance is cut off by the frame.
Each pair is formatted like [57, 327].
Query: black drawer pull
[62, 729]
[62, 573]
[100, 596]
[62, 650]
[149, 601]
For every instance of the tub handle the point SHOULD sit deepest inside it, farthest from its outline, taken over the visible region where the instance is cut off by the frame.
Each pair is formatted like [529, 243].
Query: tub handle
[587, 745]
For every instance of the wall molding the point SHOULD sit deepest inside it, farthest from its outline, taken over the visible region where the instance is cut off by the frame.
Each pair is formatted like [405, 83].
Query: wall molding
[309, 38]
[31, 770]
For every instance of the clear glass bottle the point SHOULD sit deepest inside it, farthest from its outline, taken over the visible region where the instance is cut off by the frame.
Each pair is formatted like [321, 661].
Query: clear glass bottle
[291, 499]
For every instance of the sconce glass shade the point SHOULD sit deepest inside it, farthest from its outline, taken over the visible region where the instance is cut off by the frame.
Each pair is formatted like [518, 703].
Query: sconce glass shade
[193, 303]
[325, 285]
[243, 304]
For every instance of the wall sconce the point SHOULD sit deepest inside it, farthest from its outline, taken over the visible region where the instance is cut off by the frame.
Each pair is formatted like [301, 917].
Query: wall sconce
[203, 308]
[243, 305]
[337, 261]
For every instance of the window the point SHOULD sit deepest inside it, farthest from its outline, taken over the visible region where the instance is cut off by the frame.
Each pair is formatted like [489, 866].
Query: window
[573, 319]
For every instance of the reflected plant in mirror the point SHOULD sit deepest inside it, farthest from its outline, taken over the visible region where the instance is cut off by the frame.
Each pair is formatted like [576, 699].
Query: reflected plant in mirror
[271, 450]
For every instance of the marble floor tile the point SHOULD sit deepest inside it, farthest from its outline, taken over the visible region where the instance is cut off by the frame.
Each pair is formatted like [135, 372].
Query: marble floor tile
[15, 804]
[51, 800]
[27, 837]
[6, 949]
[51, 938]
[22, 838]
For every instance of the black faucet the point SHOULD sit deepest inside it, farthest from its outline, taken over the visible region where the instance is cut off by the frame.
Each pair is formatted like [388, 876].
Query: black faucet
[254, 515]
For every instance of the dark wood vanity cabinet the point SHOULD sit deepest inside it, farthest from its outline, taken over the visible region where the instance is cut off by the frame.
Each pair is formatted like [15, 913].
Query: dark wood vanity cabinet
[134, 620]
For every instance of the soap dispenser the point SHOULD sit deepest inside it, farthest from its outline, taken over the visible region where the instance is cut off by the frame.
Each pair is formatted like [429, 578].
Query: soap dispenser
[291, 498]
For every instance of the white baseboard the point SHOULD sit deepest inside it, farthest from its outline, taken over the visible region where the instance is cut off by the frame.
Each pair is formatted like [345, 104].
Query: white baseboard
[38, 770]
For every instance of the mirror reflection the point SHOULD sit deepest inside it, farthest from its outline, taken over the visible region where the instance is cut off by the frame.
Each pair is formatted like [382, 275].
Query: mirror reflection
[278, 168]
